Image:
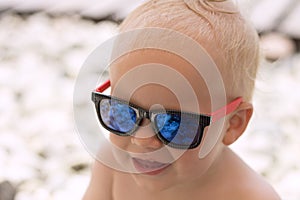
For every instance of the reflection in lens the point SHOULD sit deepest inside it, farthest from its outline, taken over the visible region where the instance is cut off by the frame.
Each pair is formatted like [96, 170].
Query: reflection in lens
[167, 125]
[117, 116]
[180, 130]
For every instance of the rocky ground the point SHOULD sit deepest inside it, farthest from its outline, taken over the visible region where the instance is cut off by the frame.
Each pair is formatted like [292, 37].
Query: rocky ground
[40, 152]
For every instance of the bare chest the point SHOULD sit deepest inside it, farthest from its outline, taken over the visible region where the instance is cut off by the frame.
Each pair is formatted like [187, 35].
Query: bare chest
[125, 188]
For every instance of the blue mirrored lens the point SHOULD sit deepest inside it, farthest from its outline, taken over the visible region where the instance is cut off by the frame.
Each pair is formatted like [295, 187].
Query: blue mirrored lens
[167, 125]
[117, 115]
[177, 129]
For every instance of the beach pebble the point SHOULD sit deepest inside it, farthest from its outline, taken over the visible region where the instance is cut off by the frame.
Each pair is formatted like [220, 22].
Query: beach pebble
[7, 191]
[276, 46]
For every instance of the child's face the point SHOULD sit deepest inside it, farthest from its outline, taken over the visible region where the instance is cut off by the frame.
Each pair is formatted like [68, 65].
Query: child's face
[125, 73]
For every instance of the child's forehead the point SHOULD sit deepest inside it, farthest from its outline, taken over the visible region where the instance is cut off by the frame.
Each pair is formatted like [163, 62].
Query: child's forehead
[154, 63]
[157, 75]
[198, 53]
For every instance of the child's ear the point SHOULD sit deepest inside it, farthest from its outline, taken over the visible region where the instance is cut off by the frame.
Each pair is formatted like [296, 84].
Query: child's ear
[238, 122]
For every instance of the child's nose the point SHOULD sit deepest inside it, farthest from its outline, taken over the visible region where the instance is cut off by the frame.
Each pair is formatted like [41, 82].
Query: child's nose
[149, 143]
[145, 137]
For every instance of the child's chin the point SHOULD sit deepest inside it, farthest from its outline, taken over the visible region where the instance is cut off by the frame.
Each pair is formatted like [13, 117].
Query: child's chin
[154, 183]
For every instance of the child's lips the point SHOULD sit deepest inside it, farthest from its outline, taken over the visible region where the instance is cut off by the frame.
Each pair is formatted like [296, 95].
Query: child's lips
[149, 167]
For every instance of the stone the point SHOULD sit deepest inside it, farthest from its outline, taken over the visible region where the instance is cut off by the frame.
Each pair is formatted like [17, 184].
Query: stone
[7, 191]
[277, 46]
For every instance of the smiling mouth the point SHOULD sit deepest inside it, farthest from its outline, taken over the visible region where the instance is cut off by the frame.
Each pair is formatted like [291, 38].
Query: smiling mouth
[149, 167]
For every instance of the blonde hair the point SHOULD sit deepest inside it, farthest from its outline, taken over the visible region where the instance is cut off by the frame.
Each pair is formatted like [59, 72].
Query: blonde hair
[214, 24]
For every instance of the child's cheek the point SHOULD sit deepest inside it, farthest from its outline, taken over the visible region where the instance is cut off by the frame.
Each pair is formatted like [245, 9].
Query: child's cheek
[190, 160]
[119, 141]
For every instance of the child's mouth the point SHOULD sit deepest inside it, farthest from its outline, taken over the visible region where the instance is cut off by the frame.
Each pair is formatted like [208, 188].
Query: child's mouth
[149, 167]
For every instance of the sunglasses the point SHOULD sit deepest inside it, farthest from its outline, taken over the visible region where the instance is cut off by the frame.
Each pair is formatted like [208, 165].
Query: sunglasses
[180, 130]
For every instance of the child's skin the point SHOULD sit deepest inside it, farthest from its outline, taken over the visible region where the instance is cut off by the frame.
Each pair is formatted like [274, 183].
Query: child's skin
[220, 175]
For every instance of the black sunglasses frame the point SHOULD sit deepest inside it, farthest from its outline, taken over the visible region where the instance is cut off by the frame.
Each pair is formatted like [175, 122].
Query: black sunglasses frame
[203, 121]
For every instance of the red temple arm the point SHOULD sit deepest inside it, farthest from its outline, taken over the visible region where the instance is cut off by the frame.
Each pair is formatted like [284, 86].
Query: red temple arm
[229, 108]
[104, 86]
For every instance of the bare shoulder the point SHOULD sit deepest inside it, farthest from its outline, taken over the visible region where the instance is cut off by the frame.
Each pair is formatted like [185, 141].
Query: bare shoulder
[250, 185]
[100, 186]
[244, 183]
[259, 191]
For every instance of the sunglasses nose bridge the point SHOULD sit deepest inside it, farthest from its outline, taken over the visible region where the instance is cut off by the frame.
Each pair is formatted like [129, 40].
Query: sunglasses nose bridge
[144, 114]
[144, 118]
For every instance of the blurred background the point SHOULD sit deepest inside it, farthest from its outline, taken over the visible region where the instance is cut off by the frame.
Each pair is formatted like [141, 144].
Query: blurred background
[42, 47]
